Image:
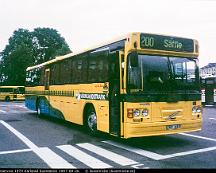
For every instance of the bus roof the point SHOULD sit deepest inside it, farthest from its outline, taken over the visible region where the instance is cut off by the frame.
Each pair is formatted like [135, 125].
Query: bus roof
[79, 52]
[11, 86]
[58, 58]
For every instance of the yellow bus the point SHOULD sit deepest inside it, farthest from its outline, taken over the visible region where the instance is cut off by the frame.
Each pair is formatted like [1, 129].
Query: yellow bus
[12, 93]
[137, 85]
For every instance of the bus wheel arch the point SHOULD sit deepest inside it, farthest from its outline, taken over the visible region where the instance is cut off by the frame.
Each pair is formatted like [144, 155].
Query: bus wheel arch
[7, 98]
[90, 118]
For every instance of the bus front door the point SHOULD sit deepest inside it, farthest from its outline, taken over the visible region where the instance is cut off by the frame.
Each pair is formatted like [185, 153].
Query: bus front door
[114, 94]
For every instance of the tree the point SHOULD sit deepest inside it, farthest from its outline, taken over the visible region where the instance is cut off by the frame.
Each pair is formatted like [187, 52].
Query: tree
[29, 48]
[48, 44]
[16, 57]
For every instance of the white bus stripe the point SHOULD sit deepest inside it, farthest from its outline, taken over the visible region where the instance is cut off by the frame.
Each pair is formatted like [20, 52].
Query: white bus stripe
[83, 157]
[15, 151]
[108, 154]
[45, 154]
[139, 151]
[195, 136]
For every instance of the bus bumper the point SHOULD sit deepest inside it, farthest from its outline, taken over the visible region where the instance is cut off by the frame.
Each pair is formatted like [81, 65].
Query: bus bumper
[160, 128]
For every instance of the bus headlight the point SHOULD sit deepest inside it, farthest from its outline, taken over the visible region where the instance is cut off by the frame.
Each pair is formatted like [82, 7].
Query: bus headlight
[194, 109]
[136, 113]
[145, 112]
[199, 109]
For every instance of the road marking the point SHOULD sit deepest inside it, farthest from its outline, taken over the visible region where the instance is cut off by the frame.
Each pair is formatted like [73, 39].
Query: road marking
[108, 154]
[20, 106]
[156, 156]
[200, 137]
[83, 157]
[30, 144]
[139, 166]
[45, 154]
[209, 105]
[15, 151]
[2, 111]
[139, 151]
[52, 159]
[212, 118]
[189, 152]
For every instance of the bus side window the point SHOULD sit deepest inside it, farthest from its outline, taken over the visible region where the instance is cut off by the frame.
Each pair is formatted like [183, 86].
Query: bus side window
[79, 69]
[65, 72]
[91, 70]
[98, 67]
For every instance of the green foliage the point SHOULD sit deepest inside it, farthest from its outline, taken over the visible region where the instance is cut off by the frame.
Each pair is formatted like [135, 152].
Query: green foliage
[26, 49]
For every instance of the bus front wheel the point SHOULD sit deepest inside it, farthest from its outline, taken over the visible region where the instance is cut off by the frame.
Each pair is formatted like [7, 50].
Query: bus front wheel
[91, 121]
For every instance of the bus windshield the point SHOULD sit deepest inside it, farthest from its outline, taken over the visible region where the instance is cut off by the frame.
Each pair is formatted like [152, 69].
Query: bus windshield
[162, 74]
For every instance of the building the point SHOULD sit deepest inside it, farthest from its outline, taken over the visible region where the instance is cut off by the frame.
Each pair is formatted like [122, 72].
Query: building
[208, 70]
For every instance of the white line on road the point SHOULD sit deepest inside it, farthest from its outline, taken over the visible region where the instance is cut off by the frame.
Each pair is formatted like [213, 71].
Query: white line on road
[2, 111]
[45, 154]
[20, 106]
[83, 157]
[156, 156]
[108, 154]
[212, 118]
[52, 159]
[15, 151]
[189, 152]
[200, 137]
[139, 151]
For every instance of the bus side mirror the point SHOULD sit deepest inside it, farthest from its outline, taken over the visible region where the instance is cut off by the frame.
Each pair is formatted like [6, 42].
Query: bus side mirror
[134, 59]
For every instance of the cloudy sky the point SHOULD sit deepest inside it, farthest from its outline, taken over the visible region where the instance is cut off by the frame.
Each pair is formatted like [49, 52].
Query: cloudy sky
[84, 23]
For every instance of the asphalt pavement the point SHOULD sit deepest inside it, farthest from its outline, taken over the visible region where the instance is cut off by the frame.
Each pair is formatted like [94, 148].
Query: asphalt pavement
[28, 141]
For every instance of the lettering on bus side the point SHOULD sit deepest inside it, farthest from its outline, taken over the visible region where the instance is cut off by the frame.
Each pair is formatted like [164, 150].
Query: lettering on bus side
[92, 96]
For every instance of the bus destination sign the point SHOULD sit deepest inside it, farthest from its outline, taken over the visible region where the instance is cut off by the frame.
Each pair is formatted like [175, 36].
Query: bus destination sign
[159, 42]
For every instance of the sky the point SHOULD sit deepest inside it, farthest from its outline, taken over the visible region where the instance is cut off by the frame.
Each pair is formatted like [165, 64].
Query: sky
[84, 23]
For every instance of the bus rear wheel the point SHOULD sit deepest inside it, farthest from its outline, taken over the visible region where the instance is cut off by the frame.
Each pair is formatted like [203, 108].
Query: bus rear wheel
[39, 114]
[91, 121]
[7, 98]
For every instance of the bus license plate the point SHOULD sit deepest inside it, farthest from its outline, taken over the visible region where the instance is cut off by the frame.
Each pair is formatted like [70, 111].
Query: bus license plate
[173, 127]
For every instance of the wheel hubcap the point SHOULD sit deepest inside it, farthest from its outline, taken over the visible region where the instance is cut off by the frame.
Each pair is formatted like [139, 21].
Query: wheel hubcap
[39, 112]
[92, 120]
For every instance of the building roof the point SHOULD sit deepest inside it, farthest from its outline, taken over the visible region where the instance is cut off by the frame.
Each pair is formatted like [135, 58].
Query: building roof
[209, 65]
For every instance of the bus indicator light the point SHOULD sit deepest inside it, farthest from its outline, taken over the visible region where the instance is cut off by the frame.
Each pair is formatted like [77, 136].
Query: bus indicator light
[130, 113]
[136, 113]
[145, 112]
